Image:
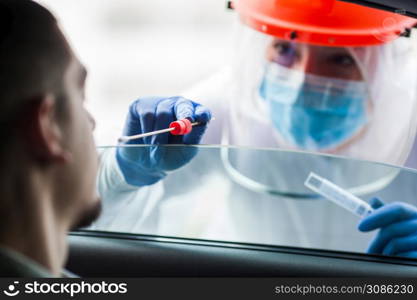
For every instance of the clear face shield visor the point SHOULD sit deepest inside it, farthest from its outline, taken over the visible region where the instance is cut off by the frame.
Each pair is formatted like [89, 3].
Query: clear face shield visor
[316, 96]
[354, 102]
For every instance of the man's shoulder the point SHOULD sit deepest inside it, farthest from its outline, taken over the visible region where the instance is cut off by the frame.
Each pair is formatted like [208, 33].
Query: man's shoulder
[13, 264]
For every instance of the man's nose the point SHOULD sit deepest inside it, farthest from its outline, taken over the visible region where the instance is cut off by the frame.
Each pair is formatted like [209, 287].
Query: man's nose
[91, 120]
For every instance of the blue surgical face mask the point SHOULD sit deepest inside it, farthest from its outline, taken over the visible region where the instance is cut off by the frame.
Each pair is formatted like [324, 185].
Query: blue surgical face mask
[313, 112]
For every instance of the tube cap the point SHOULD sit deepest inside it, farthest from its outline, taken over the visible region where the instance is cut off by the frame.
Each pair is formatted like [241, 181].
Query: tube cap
[182, 127]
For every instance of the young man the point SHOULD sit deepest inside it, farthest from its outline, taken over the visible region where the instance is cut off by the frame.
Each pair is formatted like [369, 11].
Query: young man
[47, 155]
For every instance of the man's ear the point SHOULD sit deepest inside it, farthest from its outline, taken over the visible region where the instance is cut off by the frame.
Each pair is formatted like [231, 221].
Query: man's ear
[45, 135]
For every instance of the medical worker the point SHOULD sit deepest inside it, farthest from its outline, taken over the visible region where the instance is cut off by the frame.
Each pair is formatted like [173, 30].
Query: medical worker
[307, 76]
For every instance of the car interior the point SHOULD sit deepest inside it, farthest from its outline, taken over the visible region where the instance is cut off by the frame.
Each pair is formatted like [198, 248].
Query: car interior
[108, 253]
[312, 248]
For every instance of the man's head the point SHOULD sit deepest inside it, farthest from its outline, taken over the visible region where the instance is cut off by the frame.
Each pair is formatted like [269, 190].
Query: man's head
[47, 152]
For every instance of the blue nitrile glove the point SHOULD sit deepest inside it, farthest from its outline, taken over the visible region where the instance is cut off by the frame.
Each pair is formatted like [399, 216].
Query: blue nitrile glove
[147, 165]
[398, 228]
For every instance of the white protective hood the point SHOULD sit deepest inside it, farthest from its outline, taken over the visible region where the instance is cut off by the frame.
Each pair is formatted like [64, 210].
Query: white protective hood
[390, 70]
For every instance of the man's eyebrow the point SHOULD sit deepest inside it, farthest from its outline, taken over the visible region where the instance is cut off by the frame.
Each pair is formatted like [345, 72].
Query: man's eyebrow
[83, 74]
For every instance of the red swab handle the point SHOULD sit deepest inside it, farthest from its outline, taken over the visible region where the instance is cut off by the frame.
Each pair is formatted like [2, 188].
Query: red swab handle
[181, 127]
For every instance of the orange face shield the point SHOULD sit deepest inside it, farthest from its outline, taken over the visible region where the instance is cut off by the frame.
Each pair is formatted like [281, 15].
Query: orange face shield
[323, 22]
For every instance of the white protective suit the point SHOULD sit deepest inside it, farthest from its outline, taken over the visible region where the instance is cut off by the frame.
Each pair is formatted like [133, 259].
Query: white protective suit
[227, 196]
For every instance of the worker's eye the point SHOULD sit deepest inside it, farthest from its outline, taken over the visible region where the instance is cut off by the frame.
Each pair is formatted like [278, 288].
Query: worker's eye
[284, 48]
[344, 60]
[285, 53]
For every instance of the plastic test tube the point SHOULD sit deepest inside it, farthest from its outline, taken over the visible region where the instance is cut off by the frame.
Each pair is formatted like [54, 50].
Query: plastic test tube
[337, 195]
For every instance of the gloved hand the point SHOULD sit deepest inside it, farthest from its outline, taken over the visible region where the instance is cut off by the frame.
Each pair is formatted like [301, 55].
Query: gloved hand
[398, 228]
[147, 165]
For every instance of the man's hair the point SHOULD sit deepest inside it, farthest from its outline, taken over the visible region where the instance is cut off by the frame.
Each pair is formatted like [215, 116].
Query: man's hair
[33, 58]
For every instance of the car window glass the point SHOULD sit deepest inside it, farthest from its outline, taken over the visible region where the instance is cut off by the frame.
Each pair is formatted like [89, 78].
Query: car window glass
[250, 195]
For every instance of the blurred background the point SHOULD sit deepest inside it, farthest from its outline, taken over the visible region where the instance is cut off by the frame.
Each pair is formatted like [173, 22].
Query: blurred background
[136, 48]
